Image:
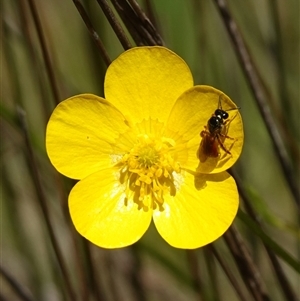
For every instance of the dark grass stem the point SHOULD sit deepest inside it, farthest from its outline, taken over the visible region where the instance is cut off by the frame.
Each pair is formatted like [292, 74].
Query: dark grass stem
[95, 287]
[15, 286]
[132, 23]
[136, 274]
[112, 280]
[147, 24]
[45, 53]
[123, 13]
[259, 93]
[212, 275]
[115, 24]
[43, 203]
[93, 32]
[229, 274]
[137, 23]
[15, 122]
[286, 108]
[37, 70]
[83, 285]
[83, 288]
[245, 264]
[2, 298]
[281, 277]
[151, 13]
[193, 266]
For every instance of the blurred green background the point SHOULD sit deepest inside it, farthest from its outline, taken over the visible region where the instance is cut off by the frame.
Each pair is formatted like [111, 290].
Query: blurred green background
[195, 31]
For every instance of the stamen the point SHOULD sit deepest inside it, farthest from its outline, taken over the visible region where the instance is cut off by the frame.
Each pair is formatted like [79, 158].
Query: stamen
[147, 170]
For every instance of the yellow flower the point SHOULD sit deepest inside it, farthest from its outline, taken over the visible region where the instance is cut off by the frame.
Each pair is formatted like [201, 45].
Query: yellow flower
[136, 154]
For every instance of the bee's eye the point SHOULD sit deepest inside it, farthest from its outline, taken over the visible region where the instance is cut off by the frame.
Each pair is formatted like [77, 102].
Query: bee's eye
[224, 115]
[221, 114]
[218, 112]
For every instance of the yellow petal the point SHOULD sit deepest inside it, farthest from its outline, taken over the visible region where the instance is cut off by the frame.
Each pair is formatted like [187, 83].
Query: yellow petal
[202, 210]
[99, 213]
[146, 81]
[188, 117]
[81, 133]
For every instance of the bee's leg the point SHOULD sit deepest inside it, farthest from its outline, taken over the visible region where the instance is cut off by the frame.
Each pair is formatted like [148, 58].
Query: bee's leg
[228, 121]
[226, 126]
[222, 145]
[225, 136]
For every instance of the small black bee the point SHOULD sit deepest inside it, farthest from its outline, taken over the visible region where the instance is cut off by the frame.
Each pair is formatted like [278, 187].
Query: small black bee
[215, 132]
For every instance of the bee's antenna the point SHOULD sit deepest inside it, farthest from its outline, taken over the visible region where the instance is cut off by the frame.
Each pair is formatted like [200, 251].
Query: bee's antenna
[237, 108]
[220, 105]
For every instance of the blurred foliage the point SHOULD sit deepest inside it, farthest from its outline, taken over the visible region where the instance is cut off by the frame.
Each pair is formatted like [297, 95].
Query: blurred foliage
[151, 269]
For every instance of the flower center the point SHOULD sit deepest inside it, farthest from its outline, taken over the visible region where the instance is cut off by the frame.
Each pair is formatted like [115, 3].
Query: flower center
[148, 172]
[148, 156]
